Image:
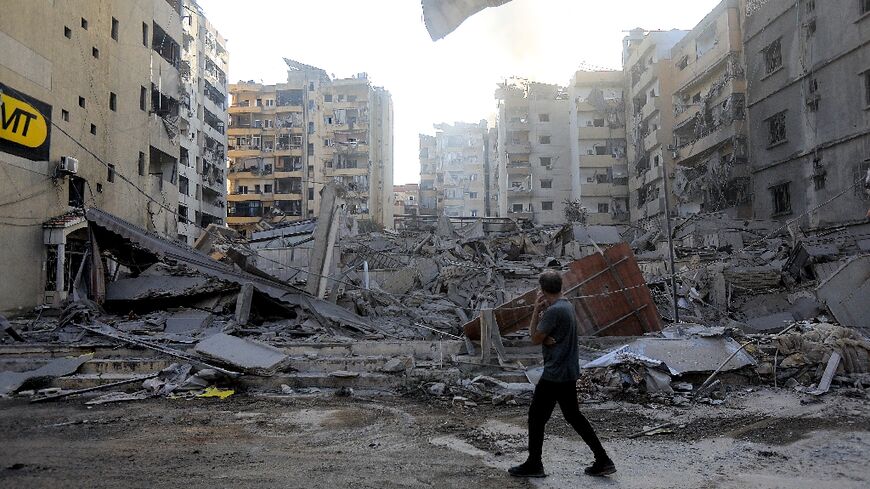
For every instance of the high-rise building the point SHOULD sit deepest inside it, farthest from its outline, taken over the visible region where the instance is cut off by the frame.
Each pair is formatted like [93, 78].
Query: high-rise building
[709, 97]
[287, 140]
[428, 201]
[808, 73]
[458, 166]
[534, 151]
[202, 186]
[599, 172]
[92, 91]
[649, 83]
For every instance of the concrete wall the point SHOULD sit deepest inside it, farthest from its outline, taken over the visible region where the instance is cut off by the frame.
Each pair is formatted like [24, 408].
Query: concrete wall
[833, 141]
[39, 60]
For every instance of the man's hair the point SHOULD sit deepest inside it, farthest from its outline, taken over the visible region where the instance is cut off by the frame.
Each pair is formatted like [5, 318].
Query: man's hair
[551, 282]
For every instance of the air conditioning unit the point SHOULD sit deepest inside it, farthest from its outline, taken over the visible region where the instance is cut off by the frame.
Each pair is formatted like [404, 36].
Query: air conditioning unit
[68, 165]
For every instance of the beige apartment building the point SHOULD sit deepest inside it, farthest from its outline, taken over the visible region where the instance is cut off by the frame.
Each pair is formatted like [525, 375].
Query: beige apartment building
[599, 170]
[533, 151]
[95, 89]
[202, 185]
[709, 99]
[459, 160]
[649, 83]
[428, 200]
[287, 140]
[406, 199]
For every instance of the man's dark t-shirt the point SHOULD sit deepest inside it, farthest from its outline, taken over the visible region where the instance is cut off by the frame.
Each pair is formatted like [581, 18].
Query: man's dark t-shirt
[561, 360]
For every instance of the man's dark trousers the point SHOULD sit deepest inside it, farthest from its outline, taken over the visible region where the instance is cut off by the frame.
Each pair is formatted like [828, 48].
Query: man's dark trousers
[547, 394]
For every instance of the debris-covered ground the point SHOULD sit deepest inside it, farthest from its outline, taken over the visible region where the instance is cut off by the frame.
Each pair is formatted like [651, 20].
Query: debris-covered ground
[757, 438]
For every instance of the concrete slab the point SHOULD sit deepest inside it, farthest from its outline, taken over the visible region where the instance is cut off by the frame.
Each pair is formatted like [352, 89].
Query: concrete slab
[11, 381]
[187, 321]
[683, 355]
[239, 352]
[847, 292]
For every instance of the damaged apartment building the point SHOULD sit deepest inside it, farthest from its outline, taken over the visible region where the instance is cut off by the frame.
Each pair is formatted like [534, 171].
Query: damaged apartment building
[709, 99]
[648, 73]
[453, 164]
[533, 151]
[88, 131]
[288, 140]
[599, 170]
[808, 69]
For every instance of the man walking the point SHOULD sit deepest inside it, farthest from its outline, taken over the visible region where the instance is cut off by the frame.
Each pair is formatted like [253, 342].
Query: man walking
[554, 326]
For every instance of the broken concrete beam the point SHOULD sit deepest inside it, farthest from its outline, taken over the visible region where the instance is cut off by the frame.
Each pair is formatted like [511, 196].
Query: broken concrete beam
[245, 354]
[243, 304]
[320, 257]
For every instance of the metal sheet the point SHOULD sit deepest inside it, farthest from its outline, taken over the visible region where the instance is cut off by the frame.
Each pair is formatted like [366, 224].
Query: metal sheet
[609, 295]
[681, 355]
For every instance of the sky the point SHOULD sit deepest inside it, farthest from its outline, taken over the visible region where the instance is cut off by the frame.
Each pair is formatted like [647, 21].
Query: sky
[450, 80]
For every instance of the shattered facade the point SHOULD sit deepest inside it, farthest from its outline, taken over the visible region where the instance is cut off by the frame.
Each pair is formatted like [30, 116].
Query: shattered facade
[534, 151]
[121, 122]
[405, 199]
[599, 172]
[288, 140]
[649, 83]
[809, 89]
[709, 99]
[428, 175]
[202, 185]
[460, 162]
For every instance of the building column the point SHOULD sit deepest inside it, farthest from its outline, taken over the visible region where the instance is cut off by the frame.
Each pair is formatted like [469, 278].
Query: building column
[61, 260]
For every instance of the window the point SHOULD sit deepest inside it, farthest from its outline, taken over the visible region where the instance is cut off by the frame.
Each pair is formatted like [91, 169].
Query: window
[773, 56]
[257, 188]
[183, 185]
[811, 27]
[547, 183]
[472, 195]
[82, 102]
[114, 28]
[67, 32]
[99, 188]
[546, 160]
[543, 117]
[598, 123]
[310, 86]
[683, 63]
[474, 213]
[603, 208]
[144, 34]
[696, 98]
[351, 98]
[76, 195]
[182, 213]
[84, 23]
[656, 160]
[64, 114]
[113, 102]
[310, 193]
[143, 96]
[310, 149]
[819, 181]
[93, 129]
[311, 127]
[141, 163]
[547, 205]
[544, 139]
[781, 199]
[267, 188]
[327, 97]
[811, 5]
[518, 208]
[776, 129]
[110, 175]
[865, 6]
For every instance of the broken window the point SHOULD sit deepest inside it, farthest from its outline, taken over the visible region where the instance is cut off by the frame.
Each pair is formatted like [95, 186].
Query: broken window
[544, 139]
[598, 123]
[164, 45]
[547, 183]
[773, 56]
[545, 160]
[183, 185]
[776, 128]
[781, 199]
[547, 205]
[603, 208]
[683, 63]
[865, 6]
[76, 195]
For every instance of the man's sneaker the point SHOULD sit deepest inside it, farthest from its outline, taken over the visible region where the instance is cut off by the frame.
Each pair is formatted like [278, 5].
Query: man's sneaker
[527, 469]
[600, 468]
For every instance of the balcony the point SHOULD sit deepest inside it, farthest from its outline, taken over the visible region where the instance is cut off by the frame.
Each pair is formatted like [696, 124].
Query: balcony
[518, 148]
[595, 190]
[651, 141]
[701, 146]
[653, 105]
[521, 215]
[604, 132]
[245, 109]
[599, 161]
[619, 191]
[350, 171]
[519, 168]
[518, 125]
[288, 195]
[685, 113]
[517, 192]
[644, 81]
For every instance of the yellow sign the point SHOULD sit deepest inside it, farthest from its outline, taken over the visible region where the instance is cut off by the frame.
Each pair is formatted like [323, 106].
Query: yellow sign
[21, 123]
[24, 125]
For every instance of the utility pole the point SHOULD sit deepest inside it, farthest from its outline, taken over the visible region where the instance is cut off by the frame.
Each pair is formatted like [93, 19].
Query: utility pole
[671, 244]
